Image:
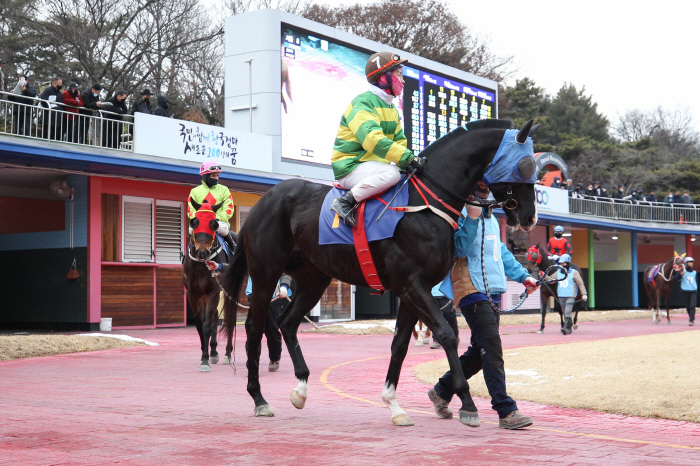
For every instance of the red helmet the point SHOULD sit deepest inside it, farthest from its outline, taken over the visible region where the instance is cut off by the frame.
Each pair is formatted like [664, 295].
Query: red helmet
[209, 167]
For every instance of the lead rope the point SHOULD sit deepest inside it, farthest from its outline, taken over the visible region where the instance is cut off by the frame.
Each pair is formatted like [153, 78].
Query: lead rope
[524, 294]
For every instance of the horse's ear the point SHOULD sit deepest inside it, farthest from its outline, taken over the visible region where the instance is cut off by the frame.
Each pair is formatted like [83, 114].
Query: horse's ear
[521, 138]
[675, 253]
[683, 255]
[534, 130]
[213, 225]
[194, 223]
[217, 206]
[538, 245]
[195, 205]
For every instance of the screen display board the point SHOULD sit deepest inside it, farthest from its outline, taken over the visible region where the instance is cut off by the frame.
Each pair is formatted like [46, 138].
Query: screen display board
[320, 77]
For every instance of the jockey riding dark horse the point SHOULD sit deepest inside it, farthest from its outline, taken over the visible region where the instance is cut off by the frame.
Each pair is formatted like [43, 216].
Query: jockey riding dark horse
[281, 235]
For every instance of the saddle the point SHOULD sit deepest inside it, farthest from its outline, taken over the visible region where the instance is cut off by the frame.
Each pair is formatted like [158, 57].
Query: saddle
[653, 273]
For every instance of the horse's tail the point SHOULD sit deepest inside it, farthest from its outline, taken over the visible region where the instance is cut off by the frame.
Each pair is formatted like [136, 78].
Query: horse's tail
[233, 280]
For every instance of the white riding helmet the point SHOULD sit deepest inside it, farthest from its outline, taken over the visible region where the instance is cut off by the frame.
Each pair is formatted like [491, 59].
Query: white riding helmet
[689, 259]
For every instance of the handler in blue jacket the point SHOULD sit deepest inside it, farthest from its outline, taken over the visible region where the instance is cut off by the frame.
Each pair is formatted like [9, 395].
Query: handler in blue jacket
[689, 288]
[467, 288]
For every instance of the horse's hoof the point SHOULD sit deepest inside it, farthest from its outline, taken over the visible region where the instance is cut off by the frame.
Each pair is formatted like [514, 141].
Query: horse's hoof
[264, 411]
[540, 332]
[204, 368]
[402, 420]
[226, 360]
[297, 400]
[575, 326]
[214, 359]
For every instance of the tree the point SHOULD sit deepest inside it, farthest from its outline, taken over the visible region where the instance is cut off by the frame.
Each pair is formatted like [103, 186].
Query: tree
[572, 113]
[426, 28]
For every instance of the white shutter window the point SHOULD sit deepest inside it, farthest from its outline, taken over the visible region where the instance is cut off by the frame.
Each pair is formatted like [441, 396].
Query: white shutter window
[137, 229]
[169, 231]
[242, 215]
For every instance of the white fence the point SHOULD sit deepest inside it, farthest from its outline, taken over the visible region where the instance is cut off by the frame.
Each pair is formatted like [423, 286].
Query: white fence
[51, 121]
[640, 211]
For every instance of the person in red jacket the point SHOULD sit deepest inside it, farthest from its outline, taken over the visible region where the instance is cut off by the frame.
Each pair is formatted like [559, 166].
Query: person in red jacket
[557, 246]
[71, 96]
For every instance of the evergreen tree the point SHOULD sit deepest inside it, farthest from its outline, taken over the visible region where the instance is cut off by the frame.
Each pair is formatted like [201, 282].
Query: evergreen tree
[573, 114]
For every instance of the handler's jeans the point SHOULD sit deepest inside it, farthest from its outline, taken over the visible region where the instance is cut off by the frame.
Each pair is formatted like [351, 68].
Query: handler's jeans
[568, 306]
[369, 179]
[449, 315]
[691, 300]
[272, 331]
[485, 352]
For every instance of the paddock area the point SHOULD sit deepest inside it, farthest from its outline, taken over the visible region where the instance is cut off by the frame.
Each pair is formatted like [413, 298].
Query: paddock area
[150, 405]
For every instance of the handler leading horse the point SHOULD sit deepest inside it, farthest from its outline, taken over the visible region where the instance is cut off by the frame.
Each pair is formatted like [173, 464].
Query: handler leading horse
[281, 234]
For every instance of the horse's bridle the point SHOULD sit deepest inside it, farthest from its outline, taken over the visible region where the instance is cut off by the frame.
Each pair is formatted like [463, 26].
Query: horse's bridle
[211, 256]
[534, 256]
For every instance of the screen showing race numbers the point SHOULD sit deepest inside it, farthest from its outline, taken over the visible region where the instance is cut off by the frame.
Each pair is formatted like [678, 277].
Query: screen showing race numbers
[434, 105]
[320, 77]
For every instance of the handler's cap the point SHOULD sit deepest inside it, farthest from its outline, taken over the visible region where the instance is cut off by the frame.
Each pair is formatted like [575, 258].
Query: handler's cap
[380, 63]
[564, 258]
[689, 259]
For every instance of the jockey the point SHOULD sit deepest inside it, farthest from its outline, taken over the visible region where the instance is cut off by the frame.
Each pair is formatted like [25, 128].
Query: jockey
[466, 286]
[214, 193]
[568, 289]
[557, 246]
[370, 147]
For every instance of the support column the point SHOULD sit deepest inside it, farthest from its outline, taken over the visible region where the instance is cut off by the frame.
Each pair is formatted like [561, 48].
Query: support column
[688, 245]
[94, 248]
[635, 272]
[591, 271]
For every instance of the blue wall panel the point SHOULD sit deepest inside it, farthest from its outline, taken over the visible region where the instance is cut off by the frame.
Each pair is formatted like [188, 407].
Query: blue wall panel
[57, 239]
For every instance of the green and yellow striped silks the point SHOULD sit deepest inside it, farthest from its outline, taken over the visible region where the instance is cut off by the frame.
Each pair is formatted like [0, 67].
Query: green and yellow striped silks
[370, 130]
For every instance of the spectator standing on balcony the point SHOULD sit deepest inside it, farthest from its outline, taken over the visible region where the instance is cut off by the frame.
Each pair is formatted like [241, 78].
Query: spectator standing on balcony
[71, 96]
[51, 120]
[604, 192]
[596, 189]
[589, 190]
[143, 105]
[677, 197]
[577, 193]
[670, 199]
[640, 194]
[112, 125]
[162, 107]
[91, 103]
[556, 183]
[22, 114]
[652, 196]
[620, 193]
[685, 198]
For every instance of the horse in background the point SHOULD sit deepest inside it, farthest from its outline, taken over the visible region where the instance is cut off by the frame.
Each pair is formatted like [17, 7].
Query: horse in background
[203, 293]
[658, 280]
[537, 258]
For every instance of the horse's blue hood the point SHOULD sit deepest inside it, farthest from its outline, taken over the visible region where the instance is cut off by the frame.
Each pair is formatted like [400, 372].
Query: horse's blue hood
[504, 168]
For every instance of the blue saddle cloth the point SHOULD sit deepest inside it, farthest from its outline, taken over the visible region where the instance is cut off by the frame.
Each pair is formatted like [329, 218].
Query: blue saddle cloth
[654, 272]
[223, 242]
[331, 232]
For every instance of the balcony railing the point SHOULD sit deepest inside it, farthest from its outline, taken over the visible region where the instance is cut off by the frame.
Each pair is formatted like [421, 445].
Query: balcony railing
[40, 119]
[640, 211]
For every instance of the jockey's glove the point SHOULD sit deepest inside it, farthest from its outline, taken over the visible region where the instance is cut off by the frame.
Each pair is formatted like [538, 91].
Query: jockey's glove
[417, 163]
[223, 229]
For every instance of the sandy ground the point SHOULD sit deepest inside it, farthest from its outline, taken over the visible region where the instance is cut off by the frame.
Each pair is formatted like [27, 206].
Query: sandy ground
[30, 346]
[650, 376]
[382, 327]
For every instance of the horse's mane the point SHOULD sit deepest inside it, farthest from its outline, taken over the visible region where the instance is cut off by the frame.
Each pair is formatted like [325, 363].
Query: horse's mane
[459, 132]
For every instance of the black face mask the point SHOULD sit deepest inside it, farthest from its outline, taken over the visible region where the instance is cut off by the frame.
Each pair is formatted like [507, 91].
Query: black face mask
[59, 87]
[689, 267]
[146, 100]
[557, 235]
[74, 92]
[209, 181]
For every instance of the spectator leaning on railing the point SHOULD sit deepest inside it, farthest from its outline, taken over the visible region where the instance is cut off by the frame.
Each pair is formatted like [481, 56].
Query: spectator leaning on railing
[112, 126]
[620, 193]
[589, 190]
[22, 114]
[670, 199]
[71, 96]
[596, 189]
[162, 108]
[51, 119]
[652, 196]
[91, 103]
[685, 198]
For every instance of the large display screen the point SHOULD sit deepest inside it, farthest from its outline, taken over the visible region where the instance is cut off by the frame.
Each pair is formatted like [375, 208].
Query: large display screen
[320, 78]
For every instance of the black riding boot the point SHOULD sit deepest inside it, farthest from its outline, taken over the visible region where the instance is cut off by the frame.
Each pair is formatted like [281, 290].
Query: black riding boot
[231, 243]
[344, 206]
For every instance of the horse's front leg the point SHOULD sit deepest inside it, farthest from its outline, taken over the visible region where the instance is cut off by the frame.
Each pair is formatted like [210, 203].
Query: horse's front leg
[254, 327]
[211, 326]
[419, 300]
[405, 322]
[203, 340]
[668, 308]
[657, 308]
[543, 310]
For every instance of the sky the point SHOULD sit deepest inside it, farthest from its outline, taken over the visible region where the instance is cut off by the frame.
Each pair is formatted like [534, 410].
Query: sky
[627, 54]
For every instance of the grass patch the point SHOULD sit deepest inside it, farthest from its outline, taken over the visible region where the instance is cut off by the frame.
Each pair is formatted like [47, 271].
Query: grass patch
[650, 376]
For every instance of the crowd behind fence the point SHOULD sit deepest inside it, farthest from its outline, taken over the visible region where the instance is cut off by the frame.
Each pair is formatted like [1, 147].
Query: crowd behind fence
[642, 211]
[36, 118]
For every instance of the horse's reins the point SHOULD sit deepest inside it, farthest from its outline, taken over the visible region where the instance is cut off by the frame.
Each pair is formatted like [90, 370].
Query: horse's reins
[524, 294]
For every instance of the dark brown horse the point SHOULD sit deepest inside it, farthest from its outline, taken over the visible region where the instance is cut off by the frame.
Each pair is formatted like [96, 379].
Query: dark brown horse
[281, 235]
[661, 284]
[203, 292]
[537, 259]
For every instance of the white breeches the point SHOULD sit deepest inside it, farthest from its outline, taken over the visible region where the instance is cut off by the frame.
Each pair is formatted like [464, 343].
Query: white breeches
[370, 179]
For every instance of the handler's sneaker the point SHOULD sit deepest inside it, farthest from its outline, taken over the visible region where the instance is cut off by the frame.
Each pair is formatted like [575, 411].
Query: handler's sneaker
[440, 405]
[274, 366]
[469, 418]
[691, 323]
[435, 345]
[514, 420]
